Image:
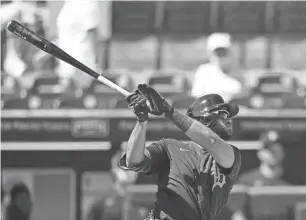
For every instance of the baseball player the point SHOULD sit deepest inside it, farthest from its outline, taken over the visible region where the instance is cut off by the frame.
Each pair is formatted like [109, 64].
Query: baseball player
[194, 177]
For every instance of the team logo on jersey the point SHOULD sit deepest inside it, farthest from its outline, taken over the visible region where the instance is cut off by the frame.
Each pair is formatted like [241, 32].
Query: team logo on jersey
[219, 179]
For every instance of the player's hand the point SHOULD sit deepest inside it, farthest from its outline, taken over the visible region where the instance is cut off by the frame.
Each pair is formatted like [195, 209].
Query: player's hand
[158, 105]
[137, 103]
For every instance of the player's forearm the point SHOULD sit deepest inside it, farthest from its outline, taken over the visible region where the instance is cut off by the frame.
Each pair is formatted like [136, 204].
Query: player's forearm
[136, 145]
[206, 138]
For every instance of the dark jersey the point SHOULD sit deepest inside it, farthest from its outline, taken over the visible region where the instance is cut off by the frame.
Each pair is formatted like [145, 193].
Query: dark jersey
[191, 185]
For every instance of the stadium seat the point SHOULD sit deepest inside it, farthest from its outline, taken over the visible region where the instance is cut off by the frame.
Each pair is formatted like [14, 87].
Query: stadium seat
[236, 200]
[14, 101]
[161, 79]
[169, 84]
[45, 91]
[122, 77]
[96, 95]
[12, 95]
[300, 211]
[242, 17]
[184, 27]
[186, 17]
[139, 196]
[182, 101]
[275, 202]
[121, 103]
[133, 52]
[136, 17]
[71, 100]
[183, 52]
[295, 102]
[133, 45]
[99, 96]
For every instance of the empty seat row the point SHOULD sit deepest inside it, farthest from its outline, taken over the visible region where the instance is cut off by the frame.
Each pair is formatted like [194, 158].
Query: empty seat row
[80, 100]
[192, 17]
[54, 93]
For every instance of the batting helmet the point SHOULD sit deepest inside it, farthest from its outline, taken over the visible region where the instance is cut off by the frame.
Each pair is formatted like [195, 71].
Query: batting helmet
[204, 110]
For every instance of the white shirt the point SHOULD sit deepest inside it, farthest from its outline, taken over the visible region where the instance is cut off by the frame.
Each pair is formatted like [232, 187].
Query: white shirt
[210, 78]
[74, 21]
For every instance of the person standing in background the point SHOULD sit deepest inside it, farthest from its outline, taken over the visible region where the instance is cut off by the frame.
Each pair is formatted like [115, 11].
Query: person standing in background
[270, 170]
[78, 24]
[12, 62]
[20, 207]
[213, 77]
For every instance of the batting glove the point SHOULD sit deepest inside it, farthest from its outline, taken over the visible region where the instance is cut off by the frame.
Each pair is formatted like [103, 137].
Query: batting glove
[158, 105]
[137, 103]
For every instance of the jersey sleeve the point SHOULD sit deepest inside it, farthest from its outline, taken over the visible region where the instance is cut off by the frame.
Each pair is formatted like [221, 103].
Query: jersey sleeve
[156, 159]
[233, 172]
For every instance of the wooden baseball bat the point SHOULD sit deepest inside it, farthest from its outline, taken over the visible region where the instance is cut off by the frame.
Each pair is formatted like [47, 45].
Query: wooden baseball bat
[47, 46]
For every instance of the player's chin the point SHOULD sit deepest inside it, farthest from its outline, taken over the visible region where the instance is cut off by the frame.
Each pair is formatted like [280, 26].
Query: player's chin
[229, 129]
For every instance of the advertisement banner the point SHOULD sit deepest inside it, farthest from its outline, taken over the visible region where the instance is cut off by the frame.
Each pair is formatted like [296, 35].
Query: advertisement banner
[114, 127]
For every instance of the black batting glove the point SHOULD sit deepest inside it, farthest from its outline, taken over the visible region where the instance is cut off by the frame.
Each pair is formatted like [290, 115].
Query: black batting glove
[137, 103]
[158, 105]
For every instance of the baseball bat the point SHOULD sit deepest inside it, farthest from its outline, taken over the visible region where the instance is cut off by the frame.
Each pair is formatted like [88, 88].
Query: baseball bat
[48, 47]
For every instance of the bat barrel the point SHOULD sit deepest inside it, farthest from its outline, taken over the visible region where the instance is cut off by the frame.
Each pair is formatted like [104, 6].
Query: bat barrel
[28, 35]
[47, 46]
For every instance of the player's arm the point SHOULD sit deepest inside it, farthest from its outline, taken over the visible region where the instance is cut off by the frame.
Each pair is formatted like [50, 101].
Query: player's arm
[136, 145]
[137, 157]
[221, 151]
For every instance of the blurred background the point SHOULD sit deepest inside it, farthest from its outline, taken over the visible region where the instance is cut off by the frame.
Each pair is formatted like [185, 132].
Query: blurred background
[62, 132]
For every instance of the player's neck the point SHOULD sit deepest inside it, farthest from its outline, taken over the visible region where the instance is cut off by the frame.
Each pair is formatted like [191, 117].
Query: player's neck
[271, 171]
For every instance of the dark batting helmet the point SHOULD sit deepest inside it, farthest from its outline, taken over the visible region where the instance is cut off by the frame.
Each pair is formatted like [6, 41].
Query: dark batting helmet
[206, 108]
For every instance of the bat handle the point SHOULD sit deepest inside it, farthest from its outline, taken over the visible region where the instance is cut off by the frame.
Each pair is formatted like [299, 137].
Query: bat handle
[113, 86]
[116, 87]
